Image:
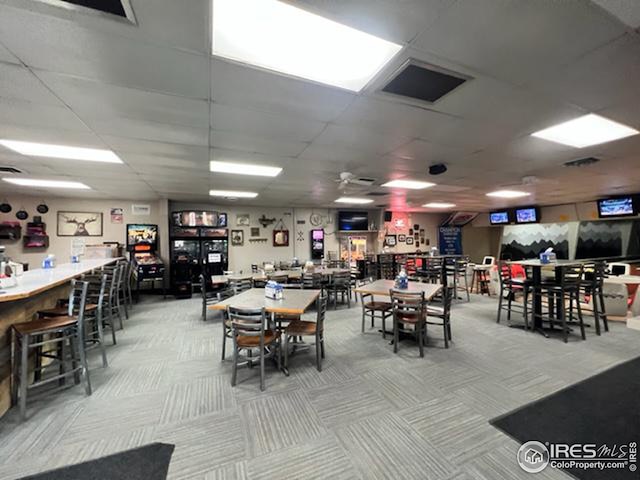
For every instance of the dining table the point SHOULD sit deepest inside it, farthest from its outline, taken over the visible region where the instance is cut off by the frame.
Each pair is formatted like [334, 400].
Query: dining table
[537, 278]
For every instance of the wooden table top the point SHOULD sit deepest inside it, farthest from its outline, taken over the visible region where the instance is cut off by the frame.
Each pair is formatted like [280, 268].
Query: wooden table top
[537, 263]
[295, 302]
[382, 287]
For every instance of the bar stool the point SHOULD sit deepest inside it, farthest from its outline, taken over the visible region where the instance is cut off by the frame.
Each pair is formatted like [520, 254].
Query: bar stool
[567, 290]
[595, 286]
[481, 280]
[457, 269]
[512, 286]
[44, 333]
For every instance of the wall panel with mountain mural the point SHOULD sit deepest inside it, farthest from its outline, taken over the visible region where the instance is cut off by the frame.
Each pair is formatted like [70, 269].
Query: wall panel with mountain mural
[608, 239]
[520, 242]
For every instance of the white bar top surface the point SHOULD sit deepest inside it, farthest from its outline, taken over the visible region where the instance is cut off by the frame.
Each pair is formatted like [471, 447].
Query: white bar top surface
[35, 281]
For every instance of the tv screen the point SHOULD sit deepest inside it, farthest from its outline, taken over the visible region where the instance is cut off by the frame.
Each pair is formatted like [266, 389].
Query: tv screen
[527, 215]
[616, 207]
[199, 219]
[353, 221]
[142, 237]
[499, 218]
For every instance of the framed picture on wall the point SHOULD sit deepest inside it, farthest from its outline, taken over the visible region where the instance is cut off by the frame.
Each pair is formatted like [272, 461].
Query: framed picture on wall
[255, 231]
[409, 240]
[390, 240]
[243, 220]
[281, 238]
[79, 224]
[402, 238]
[237, 238]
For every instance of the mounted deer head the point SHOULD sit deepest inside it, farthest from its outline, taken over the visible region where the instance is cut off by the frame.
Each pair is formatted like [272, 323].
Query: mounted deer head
[81, 229]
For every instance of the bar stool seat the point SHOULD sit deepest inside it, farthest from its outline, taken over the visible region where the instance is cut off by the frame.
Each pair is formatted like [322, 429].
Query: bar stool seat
[63, 311]
[44, 325]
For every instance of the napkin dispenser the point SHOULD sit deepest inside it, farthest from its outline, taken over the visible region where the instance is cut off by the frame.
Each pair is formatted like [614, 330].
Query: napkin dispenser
[548, 256]
[273, 290]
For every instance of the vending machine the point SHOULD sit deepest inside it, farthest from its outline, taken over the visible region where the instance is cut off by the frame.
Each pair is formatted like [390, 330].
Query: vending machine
[317, 244]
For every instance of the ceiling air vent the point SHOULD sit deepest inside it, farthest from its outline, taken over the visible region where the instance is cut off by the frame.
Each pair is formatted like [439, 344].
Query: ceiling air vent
[120, 8]
[582, 162]
[7, 169]
[424, 82]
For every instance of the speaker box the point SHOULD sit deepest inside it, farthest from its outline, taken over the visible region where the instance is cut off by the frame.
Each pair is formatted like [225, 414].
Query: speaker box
[387, 216]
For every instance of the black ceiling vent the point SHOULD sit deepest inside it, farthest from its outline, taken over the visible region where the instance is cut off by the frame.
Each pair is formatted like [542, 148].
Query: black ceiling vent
[424, 82]
[7, 169]
[120, 8]
[582, 162]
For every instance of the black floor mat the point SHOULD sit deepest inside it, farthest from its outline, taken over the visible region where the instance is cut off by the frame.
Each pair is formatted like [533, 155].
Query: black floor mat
[603, 409]
[150, 462]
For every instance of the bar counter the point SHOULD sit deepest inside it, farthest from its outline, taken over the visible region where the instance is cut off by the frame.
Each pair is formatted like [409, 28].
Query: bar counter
[36, 290]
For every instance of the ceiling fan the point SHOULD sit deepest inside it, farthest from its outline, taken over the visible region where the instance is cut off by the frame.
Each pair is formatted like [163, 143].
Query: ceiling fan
[348, 178]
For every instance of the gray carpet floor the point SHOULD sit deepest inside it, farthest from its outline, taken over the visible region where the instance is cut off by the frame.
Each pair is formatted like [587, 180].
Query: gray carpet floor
[369, 414]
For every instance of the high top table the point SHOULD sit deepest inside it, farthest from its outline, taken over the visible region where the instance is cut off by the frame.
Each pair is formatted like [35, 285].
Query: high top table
[37, 289]
[536, 278]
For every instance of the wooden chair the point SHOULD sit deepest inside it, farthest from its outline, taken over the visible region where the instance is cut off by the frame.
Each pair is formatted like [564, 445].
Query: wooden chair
[208, 297]
[251, 331]
[303, 328]
[443, 314]
[59, 339]
[340, 285]
[408, 309]
[371, 307]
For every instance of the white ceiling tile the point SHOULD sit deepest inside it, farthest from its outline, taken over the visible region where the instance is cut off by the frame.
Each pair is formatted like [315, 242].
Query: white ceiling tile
[514, 40]
[17, 82]
[92, 99]
[363, 139]
[27, 114]
[252, 144]
[102, 56]
[264, 125]
[247, 87]
[146, 130]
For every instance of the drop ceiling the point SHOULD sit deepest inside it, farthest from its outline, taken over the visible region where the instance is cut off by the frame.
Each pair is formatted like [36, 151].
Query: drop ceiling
[152, 93]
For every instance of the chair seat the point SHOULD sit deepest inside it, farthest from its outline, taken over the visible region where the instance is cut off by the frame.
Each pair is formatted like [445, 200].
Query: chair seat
[270, 336]
[63, 311]
[301, 327]
[434, 310]
[409, 317]
[44, 324]
[378, 306]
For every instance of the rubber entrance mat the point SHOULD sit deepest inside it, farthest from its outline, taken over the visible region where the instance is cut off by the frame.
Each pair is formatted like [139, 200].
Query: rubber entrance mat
[596, 420]
[150, 462]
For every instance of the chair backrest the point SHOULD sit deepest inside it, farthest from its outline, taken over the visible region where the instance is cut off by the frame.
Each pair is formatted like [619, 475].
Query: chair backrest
[78, 299]
[619, 269]
[311, 280]
[248, 322]
[432, 269]
[321, 306]
[341, 278]
[240, 285]
[572, 275]
[489, 260]
[447, 299]
[203, 286]
[504, 273]
[99, 284]
[407, 302]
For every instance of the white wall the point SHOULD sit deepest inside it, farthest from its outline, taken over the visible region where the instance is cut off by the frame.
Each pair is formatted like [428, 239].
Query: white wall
[61, 246]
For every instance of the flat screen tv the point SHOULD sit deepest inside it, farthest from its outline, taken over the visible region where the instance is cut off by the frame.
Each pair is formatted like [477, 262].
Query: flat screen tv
[527, 215]
[499, 218]
[350, 221]
[616, 207]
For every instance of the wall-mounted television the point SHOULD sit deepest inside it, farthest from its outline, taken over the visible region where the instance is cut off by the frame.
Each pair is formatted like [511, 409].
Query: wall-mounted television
[499, 218]
[616, 207]
[350, 221]
[528, 215]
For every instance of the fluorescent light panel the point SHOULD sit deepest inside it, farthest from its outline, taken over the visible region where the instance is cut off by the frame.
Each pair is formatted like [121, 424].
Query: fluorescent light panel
[353, 200]
[409, 184]
[280, 37]
[232, 194]
[508, 194]
[244, 169]
[439, 205]
[585, 131]
[32, 182]
[61, 151]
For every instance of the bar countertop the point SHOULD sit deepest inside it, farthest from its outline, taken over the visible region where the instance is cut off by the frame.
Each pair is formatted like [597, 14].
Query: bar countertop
[39, 280]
